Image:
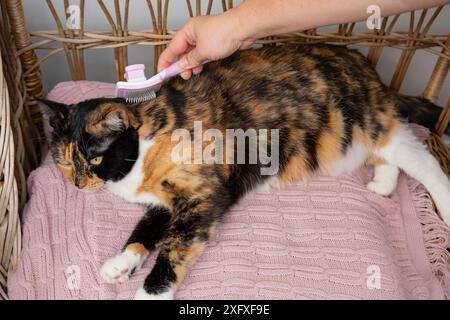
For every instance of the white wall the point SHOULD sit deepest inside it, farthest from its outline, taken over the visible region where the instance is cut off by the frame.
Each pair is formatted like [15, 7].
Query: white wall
[100, 62]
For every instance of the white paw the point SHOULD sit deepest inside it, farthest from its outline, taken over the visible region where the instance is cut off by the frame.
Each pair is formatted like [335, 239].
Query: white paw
[381, 187]
[118, 268]
[141, 294]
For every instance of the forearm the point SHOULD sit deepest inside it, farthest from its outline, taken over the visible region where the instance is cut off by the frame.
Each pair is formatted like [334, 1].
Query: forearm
[260, 18]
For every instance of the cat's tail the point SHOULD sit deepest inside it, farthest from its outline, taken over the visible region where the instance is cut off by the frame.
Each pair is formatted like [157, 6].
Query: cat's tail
[406, 152]
[419, 110]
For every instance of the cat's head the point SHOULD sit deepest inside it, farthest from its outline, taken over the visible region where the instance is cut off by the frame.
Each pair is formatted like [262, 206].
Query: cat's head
[94, 141]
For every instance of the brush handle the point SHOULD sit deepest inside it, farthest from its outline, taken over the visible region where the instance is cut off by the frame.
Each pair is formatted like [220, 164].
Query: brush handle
[135, 73]
[173, 70]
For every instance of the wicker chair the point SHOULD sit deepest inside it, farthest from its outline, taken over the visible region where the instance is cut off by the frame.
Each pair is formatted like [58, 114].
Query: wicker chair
[21, 143]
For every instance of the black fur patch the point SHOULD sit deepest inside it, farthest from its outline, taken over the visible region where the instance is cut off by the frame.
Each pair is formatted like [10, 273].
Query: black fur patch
[161, 276]
[151, 228]
[119, 157]
[177, 102]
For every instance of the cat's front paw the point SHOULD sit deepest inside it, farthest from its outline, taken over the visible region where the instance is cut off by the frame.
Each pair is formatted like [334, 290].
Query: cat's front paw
[119, 268]
[141, 294]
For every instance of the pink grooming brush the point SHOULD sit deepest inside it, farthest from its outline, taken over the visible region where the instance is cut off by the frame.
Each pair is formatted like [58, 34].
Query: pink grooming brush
[139, 89]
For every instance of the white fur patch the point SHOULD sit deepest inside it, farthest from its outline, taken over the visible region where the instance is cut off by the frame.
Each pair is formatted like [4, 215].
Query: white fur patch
[410, 155]
[128, 186]
[141, 294]
[118, 268]
[268, 185]
[353, 159]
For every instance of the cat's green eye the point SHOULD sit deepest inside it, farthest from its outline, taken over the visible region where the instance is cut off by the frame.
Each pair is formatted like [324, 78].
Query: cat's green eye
[96, 161]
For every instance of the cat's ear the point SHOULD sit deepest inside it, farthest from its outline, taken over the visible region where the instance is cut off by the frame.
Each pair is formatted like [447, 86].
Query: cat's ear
[112, 118]
[57, 113]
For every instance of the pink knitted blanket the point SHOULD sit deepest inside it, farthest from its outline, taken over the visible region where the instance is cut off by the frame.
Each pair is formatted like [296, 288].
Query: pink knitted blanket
[328, 239]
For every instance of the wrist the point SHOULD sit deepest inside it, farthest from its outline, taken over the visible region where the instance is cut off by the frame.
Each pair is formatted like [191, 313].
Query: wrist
[243, 28]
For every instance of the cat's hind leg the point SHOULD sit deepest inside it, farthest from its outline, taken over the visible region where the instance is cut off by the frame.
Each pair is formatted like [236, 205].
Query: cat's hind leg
[147, 233]
[385, 178]
[405, 151]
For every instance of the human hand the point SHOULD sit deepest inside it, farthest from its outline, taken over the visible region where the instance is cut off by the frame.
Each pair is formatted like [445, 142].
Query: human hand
[204, 38]
[216, 37]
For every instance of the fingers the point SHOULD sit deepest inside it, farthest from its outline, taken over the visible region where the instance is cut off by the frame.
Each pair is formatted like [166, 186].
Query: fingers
[197, 70]
[183, 47]
[192, 59]
[186, 74]
[166, 58]
[176, 48]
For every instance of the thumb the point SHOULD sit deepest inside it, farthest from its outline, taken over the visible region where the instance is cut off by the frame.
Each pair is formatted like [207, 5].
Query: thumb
[191, 59]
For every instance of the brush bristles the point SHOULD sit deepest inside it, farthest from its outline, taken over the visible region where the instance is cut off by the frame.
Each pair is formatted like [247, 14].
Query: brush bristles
[142, 97]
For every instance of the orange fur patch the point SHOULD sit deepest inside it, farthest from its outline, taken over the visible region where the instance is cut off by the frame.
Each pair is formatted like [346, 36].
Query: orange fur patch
[68, 172]
[137, 248]
[329, 144]
[91, 182]
[190, 255]
[100, 118]
[296, 169]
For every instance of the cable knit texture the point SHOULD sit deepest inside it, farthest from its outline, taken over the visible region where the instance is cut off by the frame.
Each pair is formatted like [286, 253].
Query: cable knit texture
[328, 239]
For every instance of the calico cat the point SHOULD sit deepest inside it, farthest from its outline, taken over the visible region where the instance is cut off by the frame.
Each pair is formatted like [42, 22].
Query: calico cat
[327, 104]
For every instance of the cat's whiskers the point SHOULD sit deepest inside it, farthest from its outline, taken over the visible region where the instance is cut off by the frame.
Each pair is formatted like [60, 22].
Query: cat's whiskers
[123, 174]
